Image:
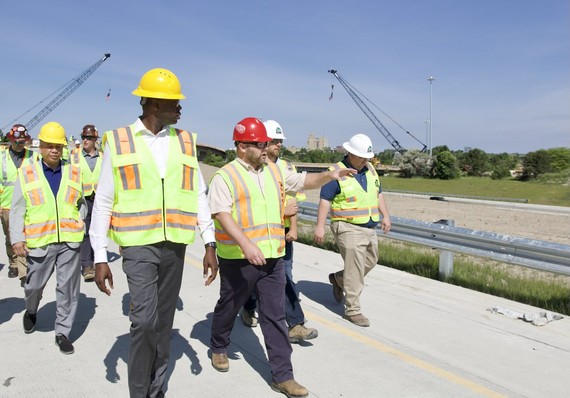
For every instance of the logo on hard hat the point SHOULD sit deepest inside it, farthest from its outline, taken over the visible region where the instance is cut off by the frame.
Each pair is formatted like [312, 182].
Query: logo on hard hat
[369, 149]
[278, 130]
[240, 128]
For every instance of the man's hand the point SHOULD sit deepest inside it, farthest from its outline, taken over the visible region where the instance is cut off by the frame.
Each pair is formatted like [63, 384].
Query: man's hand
[337, 174]
[20, 249]
[102, 273]
[319, 235]
[386, 224]
[253, 254]
[210, 262]
[291, 235]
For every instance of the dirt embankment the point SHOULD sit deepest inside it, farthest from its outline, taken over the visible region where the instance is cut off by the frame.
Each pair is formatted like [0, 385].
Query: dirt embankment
[509, 221]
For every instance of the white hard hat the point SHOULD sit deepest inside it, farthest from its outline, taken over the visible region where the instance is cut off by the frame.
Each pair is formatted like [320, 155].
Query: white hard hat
[359, 145]
[77, 142]
[274, 130]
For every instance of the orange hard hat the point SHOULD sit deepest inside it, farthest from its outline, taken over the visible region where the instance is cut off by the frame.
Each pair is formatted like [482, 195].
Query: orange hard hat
[250, 129]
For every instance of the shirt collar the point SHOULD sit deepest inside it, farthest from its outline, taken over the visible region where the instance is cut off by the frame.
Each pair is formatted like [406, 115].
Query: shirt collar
[141, 129]
[47, 168]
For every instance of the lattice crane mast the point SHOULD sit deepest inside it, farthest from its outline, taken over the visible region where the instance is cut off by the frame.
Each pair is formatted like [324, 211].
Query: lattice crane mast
[371, 116]
[75, 83]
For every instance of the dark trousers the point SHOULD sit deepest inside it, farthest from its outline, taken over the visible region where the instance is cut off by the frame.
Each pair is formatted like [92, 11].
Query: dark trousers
[87, 255]
[294, 314]
[154, 275]
[238, 279]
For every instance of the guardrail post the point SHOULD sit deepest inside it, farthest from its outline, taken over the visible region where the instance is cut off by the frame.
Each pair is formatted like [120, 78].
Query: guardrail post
[445, 257]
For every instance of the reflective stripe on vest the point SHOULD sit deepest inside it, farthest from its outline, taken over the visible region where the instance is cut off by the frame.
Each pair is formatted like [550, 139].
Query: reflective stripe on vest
[90, 177]
[9, 175]
[353, 204]
[259, 215]
[148, 209]
[50, 219]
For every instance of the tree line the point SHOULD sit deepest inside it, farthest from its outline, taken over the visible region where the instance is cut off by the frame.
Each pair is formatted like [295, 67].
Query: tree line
[544, 164]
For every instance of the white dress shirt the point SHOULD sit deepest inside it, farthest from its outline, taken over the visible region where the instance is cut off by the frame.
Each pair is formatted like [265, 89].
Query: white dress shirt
[103, 206]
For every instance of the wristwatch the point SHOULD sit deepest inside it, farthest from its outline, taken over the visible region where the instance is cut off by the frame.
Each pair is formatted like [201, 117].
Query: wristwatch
[211, 244]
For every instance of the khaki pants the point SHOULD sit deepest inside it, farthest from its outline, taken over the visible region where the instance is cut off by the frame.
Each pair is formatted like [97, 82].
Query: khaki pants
[359, 249]
[15, 261]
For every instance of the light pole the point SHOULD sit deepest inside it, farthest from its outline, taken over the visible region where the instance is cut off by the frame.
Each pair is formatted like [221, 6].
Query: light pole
[431, 79]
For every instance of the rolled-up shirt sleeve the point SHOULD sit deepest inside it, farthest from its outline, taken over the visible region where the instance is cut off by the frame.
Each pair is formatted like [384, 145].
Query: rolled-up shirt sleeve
[205, 222]
[102, 208]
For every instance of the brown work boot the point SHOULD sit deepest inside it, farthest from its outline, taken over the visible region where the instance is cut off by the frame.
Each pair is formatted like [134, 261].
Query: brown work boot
[300, 332]
[12, 272]
[220, 362]
[89, 274]
[337, 289]
[249, 318]
[358, 320]
[290, 388]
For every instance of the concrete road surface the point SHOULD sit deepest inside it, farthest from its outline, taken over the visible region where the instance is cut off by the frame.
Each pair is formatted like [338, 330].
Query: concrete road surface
[426, 339]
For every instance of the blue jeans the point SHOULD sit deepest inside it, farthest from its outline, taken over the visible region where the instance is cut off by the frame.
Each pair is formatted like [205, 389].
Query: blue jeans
[293, 312]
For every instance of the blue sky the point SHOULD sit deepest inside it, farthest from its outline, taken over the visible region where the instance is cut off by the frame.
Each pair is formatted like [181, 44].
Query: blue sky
[502, 67]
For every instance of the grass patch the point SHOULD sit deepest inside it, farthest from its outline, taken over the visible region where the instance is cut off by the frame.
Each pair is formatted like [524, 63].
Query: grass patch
[540, 289]
[536, 192]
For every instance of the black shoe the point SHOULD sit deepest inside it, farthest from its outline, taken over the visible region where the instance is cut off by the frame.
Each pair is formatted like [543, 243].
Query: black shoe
[29, 322]
[12, 272]
[65, 346]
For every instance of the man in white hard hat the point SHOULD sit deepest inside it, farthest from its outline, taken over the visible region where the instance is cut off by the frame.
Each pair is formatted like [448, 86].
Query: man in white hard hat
[294, 314]
[355, 205]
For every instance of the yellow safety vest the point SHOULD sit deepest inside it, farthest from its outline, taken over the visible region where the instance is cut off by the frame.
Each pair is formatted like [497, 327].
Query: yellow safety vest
[50, 219]
[146, 208]
[259, 215]
[9, 176]
[90, 178]
[300, 196]
[354, 204]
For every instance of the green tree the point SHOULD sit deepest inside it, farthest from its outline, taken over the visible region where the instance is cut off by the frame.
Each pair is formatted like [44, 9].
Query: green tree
[412, 163]
[475, 162]
[445, 166]
[536, 163]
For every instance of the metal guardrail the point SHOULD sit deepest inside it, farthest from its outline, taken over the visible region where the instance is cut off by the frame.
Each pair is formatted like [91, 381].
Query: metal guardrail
[541, 255]
[451, 195]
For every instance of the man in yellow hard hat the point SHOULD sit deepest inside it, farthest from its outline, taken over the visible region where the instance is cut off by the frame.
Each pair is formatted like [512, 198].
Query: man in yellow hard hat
[12, 158]
[46, 226]
[151, 198]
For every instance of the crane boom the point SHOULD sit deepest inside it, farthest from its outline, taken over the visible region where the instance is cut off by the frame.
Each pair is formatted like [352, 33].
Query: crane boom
[369, 114]
[67, 91]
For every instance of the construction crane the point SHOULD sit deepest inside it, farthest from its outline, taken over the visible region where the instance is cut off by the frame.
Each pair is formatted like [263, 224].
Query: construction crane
[370, 115]
[75, 83]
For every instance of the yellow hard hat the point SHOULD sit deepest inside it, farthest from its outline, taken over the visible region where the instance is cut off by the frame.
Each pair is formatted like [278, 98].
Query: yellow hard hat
[159, 83]
[53, 132]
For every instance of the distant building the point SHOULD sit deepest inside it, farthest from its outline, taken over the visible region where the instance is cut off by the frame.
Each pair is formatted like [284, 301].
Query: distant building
[317, 143]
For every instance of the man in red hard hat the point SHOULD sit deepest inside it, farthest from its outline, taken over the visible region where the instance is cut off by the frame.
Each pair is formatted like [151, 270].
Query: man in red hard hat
[12, 158]
[247, 200]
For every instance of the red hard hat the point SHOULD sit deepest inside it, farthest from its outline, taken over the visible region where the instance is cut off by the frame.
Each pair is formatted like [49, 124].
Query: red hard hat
[19, 133]
[250, 129]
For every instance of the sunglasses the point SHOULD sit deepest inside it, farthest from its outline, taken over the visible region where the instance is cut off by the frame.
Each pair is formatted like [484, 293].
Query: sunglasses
[260, 145]
[87, 137]
[276, 141]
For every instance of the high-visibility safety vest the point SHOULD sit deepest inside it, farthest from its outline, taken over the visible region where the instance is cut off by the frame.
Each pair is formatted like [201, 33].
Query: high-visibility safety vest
[300, 196]
[148, 209]
[259, 215]
[90, 178]
[51, 219]
[354, 204]
[9, 175]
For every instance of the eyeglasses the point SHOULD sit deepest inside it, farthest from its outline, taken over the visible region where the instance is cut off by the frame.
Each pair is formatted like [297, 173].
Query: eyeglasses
[260, 145]
[276, 141]
[87, 137]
